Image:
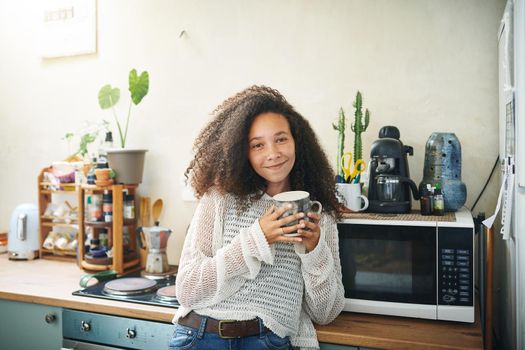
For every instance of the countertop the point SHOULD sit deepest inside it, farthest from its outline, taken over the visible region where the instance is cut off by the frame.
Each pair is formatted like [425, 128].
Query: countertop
[51, 282]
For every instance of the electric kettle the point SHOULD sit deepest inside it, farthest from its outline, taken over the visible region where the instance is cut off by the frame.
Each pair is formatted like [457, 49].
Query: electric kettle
[23, 242]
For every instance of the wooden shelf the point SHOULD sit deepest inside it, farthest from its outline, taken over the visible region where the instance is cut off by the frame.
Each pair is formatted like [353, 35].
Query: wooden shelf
[95, 267]
[102, 224]
[56, 191]
[57, 224]
[96, 188]
[57, 252]
[114, 228]
[52, 217]
[46, 224]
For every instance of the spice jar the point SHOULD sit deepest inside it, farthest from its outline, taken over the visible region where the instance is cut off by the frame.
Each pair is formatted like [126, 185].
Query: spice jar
[94, 244]
[94, 203]
[129, 206]
[103, 238]
[107, 206]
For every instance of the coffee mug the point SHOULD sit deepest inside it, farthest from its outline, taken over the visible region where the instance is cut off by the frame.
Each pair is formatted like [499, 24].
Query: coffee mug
[300, 202]
[350, 196]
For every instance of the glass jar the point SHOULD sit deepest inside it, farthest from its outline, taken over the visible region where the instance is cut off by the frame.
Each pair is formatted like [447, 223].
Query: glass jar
[129, 206]
[95, 209]
[107, 206]
[439, 203]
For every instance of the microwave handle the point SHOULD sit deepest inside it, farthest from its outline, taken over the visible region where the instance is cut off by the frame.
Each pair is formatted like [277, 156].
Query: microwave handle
[21, 227]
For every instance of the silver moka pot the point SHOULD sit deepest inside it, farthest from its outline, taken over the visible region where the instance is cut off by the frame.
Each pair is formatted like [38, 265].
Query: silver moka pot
[156, 241]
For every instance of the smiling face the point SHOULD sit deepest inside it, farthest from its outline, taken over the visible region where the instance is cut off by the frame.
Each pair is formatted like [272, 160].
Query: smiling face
[271, 151]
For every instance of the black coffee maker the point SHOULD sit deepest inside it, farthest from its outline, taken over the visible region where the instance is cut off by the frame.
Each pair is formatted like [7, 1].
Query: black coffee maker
[389, 179]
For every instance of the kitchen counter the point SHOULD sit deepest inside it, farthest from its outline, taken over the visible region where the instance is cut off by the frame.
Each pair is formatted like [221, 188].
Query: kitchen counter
[51, 283]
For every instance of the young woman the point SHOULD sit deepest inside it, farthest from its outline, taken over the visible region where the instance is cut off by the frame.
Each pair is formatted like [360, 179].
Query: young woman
[242, 282]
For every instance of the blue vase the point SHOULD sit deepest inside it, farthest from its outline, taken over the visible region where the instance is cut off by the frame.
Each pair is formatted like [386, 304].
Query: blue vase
[443, 165]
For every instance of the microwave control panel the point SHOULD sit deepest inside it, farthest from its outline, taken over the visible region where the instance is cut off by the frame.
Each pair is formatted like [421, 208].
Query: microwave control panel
[455, 266]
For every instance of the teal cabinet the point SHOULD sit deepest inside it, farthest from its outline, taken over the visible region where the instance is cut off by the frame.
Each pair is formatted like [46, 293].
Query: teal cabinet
[30, 326]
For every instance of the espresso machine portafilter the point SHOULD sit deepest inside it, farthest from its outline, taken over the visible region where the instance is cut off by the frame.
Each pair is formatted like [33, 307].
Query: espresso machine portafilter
[389, 179]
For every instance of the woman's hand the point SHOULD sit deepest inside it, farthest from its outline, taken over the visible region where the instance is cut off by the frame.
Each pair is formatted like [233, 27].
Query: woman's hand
[310, 231]
[273, 226]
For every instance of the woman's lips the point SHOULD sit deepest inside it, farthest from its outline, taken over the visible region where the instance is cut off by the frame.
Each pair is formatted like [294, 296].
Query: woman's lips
[276, 166]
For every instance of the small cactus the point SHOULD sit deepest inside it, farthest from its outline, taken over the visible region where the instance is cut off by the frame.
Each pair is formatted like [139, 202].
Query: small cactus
[340, 127]
[358, 127]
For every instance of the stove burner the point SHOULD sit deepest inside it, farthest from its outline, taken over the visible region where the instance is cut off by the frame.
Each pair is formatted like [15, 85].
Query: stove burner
[167, 294]
[130, 286]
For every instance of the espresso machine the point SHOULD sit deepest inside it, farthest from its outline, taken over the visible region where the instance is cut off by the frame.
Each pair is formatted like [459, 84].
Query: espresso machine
[389, 184]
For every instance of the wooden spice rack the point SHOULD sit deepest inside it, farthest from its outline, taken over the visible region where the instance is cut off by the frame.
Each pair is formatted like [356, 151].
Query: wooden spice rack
[46, 223]
[120, 263]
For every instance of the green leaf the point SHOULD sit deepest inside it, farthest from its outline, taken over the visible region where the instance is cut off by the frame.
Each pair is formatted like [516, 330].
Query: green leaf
[108, 97]
[138, 85]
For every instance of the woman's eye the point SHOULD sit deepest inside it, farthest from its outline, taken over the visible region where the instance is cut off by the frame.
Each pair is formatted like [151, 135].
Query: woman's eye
[281, 139]
[257, 145]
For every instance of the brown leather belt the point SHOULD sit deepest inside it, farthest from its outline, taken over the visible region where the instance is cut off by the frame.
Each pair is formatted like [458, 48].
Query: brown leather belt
[224, 328]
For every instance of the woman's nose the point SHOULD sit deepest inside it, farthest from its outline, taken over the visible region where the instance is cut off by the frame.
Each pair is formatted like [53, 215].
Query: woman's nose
[273, 152]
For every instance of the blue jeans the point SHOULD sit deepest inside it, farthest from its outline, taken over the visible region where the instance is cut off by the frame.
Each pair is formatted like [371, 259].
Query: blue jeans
[186, 337]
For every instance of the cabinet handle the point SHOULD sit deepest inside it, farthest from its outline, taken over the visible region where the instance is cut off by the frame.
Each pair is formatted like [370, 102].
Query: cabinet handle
[131, 333]
[85, 326]
[50, 318]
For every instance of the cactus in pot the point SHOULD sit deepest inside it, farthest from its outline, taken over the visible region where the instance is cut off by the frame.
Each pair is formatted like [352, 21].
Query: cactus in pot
[340, 127]
[359, 126]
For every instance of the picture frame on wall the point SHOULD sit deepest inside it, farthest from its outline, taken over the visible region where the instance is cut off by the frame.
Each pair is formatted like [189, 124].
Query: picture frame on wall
[68, 28]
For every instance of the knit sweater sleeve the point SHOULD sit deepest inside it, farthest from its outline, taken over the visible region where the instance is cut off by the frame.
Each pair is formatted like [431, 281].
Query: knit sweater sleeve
[321, 269]
[208, 275]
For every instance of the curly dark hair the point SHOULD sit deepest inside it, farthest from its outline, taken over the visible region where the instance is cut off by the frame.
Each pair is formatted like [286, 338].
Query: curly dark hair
[221, 151]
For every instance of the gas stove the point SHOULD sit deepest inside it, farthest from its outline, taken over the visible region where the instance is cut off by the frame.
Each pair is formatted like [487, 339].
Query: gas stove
[141, 290]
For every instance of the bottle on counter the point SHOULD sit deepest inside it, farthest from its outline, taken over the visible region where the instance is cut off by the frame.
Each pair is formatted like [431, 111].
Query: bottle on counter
[103, 237]
[439, 202]
[103, 151]
[91, 177]
[426, 202]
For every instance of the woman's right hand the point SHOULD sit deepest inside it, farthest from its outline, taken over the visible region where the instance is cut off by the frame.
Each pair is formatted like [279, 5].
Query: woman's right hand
[273, 226]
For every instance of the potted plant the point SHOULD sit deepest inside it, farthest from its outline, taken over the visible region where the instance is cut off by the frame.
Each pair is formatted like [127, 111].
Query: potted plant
[128, 164]
[86, 136]
[359, 126]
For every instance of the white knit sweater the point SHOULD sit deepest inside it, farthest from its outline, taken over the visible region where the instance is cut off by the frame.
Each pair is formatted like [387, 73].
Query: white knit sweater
[228, 271]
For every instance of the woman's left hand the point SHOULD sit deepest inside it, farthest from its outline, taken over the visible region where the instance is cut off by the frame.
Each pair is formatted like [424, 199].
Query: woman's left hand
[310, 231]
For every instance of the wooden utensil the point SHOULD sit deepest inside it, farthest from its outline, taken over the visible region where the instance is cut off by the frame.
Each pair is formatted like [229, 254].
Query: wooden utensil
[143, 249]
[145, 211]
[156, 210]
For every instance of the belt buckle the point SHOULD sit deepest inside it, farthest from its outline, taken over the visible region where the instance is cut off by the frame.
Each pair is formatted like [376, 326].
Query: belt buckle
[221, 322]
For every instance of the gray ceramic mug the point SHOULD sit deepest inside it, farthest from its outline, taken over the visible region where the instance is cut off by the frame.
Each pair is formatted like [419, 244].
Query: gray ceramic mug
[300, 202]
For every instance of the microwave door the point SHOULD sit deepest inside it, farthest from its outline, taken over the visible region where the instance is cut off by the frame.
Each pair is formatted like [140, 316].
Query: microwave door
[389, 269]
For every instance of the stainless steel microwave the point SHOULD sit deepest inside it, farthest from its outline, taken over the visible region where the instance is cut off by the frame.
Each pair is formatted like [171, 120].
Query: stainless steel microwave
[410, 268]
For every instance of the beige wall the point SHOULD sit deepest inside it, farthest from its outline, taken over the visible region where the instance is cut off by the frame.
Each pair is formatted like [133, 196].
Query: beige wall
[422, 65]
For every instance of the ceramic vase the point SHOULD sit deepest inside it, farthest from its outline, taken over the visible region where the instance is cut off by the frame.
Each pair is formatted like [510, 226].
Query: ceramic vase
[443, 165]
